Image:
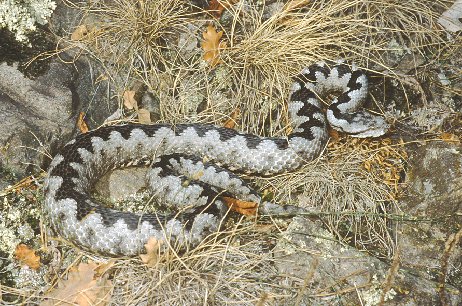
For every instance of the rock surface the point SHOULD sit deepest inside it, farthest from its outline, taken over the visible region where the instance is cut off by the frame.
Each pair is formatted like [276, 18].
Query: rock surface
[36, 114]
[32, 113]
[120, 183]
[434, 196]
[330, 269]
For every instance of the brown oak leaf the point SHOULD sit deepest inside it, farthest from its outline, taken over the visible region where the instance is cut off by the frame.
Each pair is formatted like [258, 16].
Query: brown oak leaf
[217, 7]
[231, 122]
[83, 287]
[129, 99]
[212, 45]
[26, 256]
[81, 124]
[241, 207]
[152, 256]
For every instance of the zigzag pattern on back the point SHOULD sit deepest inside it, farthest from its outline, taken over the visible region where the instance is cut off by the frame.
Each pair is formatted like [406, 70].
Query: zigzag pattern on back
[178, 152]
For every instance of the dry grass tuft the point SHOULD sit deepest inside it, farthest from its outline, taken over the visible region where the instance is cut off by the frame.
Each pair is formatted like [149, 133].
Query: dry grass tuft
[412, 24]
[352, 189]
[356, 204]
[265, 53]
[232, 267]
[131, 38]
[266, 47]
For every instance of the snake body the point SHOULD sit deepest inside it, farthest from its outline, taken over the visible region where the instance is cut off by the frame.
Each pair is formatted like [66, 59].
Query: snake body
[177, 154]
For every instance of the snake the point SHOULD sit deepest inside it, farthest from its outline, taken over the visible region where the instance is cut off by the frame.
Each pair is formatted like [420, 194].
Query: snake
[191, 167]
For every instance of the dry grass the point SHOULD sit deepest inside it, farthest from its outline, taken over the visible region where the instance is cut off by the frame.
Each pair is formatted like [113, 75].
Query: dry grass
[131, 38]
[355, 203]
[411, 23]
[138, 41]
[264, 54]
[232, 267]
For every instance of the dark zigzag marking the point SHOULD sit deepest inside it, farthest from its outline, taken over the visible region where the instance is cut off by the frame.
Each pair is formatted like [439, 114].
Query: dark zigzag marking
[308, 110]
[166, 160]
[84, 140]
[70, 153]
[353, 85]
[225, 134]
[342, 70]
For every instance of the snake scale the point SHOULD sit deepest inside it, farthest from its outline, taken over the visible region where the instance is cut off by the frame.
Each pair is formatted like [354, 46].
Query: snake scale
[177, 154]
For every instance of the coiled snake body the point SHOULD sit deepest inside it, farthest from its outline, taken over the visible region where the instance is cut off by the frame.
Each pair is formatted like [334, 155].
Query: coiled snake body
[177, 153]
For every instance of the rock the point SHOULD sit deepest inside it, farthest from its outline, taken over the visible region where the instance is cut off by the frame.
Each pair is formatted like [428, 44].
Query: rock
[32, 113]
[332, 273]
[434, 195]
[38, 108]
[12, 51]
[121, 183]
[401, 58]
[65, 18]
[428, 244]
[451, 18]
[39, 115]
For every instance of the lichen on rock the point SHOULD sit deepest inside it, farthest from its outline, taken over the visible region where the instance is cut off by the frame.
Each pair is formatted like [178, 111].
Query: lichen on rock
[21, 16]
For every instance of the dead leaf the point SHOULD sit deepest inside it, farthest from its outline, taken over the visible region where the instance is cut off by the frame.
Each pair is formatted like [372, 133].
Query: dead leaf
[242, 207]
[26, 256]
[231, 122]
[217, 7]
[152, 256]
[81, 288]
[103, 268]
[449, 137]
[81, 124]
[334, 135]
[129, 99]
[212, 46]
[144, 116]
[80, 32]
[295, 4]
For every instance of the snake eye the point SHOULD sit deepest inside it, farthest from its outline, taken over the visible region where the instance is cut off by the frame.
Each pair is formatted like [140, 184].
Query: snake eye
[61, 216]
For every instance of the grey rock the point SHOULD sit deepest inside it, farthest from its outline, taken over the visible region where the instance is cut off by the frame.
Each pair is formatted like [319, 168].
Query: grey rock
[31, 111]
[65, 17]
[451, 18]
[39, 115]
[434, 196]
[430, 254]
[121, 183]
[331, 273]
[151, 103]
